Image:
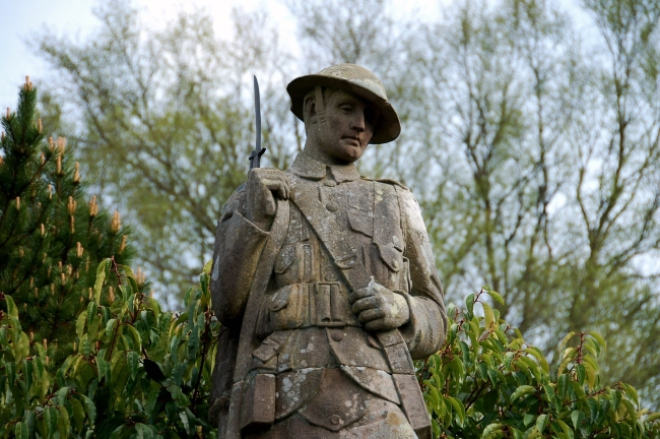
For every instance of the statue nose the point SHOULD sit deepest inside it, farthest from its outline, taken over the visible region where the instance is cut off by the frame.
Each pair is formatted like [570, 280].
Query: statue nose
[358, 122]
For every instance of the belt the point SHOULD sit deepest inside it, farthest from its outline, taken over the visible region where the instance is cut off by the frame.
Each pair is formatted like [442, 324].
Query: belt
[320, 304]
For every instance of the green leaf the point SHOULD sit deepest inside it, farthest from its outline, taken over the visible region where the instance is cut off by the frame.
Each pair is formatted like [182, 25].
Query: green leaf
[630, 409]
[62, 394]
[565, 340]
[78, 414]
[522, 390]
[89, 407]
[100, 278]
[21, 430]
[491, 429]
[103, 369]
[137, 340]
[80, 324]
[539, 356]
[496, 297]
[652, 417]
[576, 417]
[631, 392]
[11, 306]
[458, 406]
[143, 431]
[490, 317]
[110, 328]
[541, 422]
[599, 339]
[184, 421]
[22, 347]
[51, 422]
[63, 424]
[132, 359]
[208, 266]
[469, 304]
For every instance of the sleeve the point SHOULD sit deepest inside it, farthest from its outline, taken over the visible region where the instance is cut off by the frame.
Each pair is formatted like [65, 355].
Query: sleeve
[426, 331]
[236, 254]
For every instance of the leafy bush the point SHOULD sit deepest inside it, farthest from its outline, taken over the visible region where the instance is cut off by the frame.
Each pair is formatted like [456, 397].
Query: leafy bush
[139, 372]
[487, 382]
[135, 371]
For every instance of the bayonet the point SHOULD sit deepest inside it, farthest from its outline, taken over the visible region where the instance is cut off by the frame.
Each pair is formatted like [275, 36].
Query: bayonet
[255, 157]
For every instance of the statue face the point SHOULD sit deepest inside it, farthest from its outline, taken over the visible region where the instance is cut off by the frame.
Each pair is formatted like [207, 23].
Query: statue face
[350, 126]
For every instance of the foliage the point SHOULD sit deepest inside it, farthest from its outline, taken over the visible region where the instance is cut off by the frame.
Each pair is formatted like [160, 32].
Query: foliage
[169, 141]
[135, 371]
[51, 239]
[488, 382]
[138, 372]
[531, 139]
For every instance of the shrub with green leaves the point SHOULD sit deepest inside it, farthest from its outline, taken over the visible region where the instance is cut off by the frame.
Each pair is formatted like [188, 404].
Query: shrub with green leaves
[129, 370]
[487, 382]
[135, 371]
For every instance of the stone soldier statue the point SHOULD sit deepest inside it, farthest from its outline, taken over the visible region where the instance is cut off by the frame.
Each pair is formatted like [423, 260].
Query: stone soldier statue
[325, 282]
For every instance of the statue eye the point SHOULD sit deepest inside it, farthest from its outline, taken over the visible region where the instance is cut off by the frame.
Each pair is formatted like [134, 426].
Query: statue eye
[371, 115]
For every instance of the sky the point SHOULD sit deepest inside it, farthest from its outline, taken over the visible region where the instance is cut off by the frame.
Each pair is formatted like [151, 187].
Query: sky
[21, 20]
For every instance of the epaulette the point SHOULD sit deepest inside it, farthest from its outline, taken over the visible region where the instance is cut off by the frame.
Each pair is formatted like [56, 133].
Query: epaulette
[386, 181]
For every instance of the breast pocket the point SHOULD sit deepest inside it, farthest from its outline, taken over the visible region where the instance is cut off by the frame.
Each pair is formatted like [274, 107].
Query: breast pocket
[386, 263]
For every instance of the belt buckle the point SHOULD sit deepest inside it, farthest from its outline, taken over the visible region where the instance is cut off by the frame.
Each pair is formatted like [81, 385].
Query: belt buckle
[327, 295]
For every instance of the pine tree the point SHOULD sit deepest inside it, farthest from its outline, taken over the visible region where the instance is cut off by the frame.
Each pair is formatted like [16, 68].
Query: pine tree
[51, 239]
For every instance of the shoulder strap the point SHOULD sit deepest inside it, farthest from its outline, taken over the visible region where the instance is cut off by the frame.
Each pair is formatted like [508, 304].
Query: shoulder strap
[261, 278]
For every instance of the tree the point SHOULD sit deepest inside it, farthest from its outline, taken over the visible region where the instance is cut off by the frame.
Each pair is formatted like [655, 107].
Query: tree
[531, 148]
[169, 141]
[51, 238]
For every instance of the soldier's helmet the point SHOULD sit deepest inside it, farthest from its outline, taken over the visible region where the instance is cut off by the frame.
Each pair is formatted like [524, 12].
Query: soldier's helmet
[354, 79]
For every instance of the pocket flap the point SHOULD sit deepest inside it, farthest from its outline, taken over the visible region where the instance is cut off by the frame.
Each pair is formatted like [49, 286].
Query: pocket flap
[392, 257]
[285, 258]
[279, 300]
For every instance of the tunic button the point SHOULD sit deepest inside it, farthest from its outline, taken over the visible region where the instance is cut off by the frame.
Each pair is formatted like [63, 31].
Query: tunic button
[334, 419]
[330, 183]
[337, 335]
[332, 206]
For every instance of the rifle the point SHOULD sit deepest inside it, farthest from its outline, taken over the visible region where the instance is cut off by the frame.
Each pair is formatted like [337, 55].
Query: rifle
[255, 156]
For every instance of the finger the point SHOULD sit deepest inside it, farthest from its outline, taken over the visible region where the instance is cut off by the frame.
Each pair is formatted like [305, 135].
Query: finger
[371, 314]
[360, 294]
[375, 325]
[278, 187]
[269, 201]
[364, 304]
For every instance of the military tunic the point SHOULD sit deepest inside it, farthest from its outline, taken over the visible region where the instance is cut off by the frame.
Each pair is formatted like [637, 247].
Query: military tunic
[308, 337]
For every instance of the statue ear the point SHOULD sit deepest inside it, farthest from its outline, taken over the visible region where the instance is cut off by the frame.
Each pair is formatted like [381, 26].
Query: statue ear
[309, 109]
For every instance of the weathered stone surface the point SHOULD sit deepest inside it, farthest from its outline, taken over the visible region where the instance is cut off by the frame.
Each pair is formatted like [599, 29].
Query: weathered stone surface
[326, 282]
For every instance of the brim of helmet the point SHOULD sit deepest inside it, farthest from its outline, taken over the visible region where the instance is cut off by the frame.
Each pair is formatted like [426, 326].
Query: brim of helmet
[389, 126]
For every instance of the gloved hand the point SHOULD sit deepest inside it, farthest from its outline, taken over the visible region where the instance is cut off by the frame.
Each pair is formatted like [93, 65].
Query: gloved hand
[378, 308]
[262, 186]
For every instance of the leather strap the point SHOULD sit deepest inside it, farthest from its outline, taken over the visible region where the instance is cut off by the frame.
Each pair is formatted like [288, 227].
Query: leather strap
[261, 278]
[246, 342]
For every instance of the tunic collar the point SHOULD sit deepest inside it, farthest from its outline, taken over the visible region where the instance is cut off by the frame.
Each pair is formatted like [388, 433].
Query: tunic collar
[306, 167]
